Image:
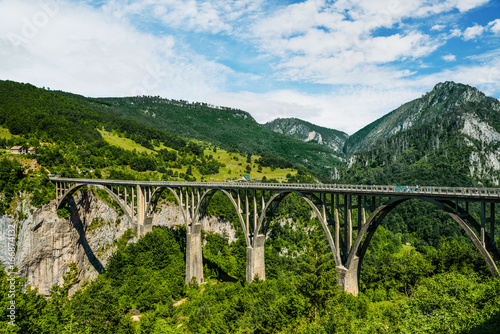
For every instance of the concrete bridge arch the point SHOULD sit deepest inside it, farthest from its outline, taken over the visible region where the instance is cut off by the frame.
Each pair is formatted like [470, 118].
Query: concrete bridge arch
[458, 214]
[73, 189]
[315, 202]
[63, 197]
[194, 253]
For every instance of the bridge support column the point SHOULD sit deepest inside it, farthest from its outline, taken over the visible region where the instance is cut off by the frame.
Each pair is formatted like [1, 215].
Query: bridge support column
[147, 225]
[144, 223]
[194, 255]
[141, 210]
[347, 279]
[255, 259]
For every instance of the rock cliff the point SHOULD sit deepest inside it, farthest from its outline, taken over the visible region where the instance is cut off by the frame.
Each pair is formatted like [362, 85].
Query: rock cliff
[47, 244]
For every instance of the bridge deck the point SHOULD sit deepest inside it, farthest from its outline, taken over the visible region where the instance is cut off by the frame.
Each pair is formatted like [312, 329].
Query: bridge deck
[471, 194]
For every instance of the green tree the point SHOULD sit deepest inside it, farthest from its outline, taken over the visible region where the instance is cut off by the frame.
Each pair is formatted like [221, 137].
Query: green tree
[318, 281]
[57, 314]
[411, 268]
[11, 173]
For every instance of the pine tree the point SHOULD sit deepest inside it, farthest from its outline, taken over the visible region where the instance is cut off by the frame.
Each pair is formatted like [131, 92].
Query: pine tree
[317, 270]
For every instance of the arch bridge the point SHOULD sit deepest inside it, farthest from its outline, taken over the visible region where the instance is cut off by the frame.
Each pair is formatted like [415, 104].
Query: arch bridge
[349, 215]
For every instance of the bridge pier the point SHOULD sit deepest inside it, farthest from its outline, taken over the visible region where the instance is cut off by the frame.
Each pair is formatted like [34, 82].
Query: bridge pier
[147, 226]
[194, 255]
[347, 278]
[255, 259]
[143, 221]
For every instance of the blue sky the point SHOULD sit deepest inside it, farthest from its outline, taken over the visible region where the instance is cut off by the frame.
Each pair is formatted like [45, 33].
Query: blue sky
[340, 64]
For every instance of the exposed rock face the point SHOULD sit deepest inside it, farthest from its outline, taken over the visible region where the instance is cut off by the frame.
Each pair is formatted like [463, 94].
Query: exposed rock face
[477, 129]
[332, 139]
[47, 244]
[170, 215]
[484, 139]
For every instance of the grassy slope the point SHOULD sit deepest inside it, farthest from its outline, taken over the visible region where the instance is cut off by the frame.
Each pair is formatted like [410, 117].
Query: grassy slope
[125, 143]
[235, 162]
[5, 133]
[237, 167]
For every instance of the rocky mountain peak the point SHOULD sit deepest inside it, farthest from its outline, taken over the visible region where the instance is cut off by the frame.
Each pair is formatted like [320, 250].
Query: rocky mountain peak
[332, 139]
[454, 125]
[446, 103]
[455, 93]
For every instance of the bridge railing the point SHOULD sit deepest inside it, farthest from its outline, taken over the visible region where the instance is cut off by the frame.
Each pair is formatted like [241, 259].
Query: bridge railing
[457, 191]
[359, 188]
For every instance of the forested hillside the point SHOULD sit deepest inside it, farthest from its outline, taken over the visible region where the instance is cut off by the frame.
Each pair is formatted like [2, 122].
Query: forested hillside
[71, 137]
[444, 289]
[225, 127]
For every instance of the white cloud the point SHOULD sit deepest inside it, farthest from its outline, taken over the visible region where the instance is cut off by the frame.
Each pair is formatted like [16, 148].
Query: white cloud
[347, 109]
[188, 15]
[111, 51]
[316, 43]
[449, 57]
[473, 32]
[465, 5]
[437, 7]
[454, 33]
[494, 26]
[477, 30]
[350, 107]
[210, 16]
[82, 50]
[438, 27]
[322, 41]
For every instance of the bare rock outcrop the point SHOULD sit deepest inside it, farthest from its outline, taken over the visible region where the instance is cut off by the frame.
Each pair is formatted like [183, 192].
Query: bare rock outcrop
[47, 244]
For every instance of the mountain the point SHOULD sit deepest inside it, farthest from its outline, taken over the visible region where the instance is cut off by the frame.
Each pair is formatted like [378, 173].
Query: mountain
[333, 140]
[445, 102]
[226, 127]
[143, 286]
[450, 136]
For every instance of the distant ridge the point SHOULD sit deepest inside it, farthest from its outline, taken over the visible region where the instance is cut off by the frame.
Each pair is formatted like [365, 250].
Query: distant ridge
[333, 140]
[226, 127]
[448, 137]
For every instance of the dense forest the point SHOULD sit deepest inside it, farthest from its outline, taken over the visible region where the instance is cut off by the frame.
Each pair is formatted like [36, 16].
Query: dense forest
[421, 274]
[69, 142]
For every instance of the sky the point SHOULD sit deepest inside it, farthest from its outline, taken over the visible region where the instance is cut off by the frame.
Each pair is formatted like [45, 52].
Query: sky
[339, 64]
